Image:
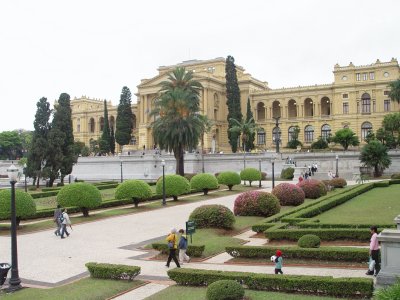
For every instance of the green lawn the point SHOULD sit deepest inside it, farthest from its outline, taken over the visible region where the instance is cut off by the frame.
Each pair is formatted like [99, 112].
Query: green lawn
[377, 206]
[87, 288]
[199, 293]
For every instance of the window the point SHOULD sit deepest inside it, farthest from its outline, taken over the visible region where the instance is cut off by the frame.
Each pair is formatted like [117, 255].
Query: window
[133, 140]
[366, 127]
[325, 132]
[308, 134]
[291, 133]
[276, 134]
[261, 137]
[386, 93]
[91, 125]
[78, 125]
[371, 75]
[358, 76]
[366, 103]
[345, 96]
[345, 108]
[386, 105]
[365, 76]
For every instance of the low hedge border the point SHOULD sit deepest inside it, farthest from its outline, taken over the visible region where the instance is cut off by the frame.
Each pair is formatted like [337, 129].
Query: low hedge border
[268, 226]
[309, 224]
[44, 194]
[319, 285]
[192, 250]
[112, 271]
[322, 253]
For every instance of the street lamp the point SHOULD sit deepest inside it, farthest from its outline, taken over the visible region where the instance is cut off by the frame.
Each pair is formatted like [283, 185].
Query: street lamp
[15, 281]
[120, 163]
[259, 168]
[164, 202]
[273, 171]
[277, 138]
[337, 166]
[26, 189]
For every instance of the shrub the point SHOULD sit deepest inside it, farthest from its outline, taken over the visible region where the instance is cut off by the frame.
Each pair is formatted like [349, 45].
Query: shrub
[263, 175]
[112, 271]
[225, 290]
[395, 176]
[338, 182]
[175, 185]
[287, 173]
[388, 293]
[312, 188]
[254, 203]
[228, 178]
[133, 189]
[45, 194]
[309, 241]
[192, 250]
[32, 188]
[213, 215]
[81, 194]
[320, 144]
[289, 194]
[204, 182]
[25, 206]
[250, 174]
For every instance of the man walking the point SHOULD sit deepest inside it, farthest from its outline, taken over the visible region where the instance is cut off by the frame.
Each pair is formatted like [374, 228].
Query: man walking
[374, 251]
[65, 221]
[57, 220]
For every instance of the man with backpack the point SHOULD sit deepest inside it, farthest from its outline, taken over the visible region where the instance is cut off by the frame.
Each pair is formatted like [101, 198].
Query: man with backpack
[64, 222]
[56, 219]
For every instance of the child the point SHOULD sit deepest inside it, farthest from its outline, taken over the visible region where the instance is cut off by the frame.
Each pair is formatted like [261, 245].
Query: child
[183, 247]
[278, 262]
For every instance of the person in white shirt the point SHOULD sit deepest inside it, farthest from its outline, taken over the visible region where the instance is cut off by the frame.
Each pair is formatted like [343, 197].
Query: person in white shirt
[65, 221]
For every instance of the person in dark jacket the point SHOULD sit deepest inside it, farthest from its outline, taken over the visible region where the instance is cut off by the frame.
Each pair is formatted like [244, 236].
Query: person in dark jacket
[56, 219]
[183, 244]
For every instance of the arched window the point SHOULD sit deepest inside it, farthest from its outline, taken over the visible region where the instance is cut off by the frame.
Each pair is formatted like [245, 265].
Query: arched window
[366, 103]
[308, 108]
[325, 106]
[308, 134]
[325, 132]
[260, 111]
[78, 125]
[101, 124]
[276, 134]
[292, 133]
[366, 127]
[276, 109]
[91, 125]
[292, 108]
[261, 137]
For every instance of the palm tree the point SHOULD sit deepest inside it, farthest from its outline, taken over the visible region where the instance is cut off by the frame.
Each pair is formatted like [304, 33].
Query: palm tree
[181, 79]
[375, 155]
[394, 93]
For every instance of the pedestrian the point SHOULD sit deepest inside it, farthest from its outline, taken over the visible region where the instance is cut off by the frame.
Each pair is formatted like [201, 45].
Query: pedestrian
[374, 251]
[278, 262]
[64, 222]
[306, 175]
[56, 219]
[183, 244]
[330, 174]
[172, 240]
[301, 177]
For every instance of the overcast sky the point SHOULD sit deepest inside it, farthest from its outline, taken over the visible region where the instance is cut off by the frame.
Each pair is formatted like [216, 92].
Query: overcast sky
[94, 48]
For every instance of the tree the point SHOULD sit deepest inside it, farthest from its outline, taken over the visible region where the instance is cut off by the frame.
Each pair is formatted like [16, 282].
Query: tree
[233, 101]
[180, 79]
[124, 124]
[320, 144]
[294, 141]
[25, 206]
[391, 123]
[10, 145]
[386, 138]
[249, 116]
[394, 93]
[375, 154]
[136, 190]
[246, 128]
[105, 139]
[112, 140]
[345, 137]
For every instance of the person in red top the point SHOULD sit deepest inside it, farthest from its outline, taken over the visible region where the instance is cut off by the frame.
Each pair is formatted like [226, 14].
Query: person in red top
[374, 251]
[301, 177]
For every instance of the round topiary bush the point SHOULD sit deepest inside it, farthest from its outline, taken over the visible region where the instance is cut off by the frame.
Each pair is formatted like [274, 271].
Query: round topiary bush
[175, 185]
[229, 178]
[250, 174]
[309, 241]
[25, 206]
[133, 189]
[204, 182]
[225, 290]
[395, 176]
[213, 215]
[313, 188]
[289, 194]
[81, 194]
[287, 173]
[254, 203]
[338, 182]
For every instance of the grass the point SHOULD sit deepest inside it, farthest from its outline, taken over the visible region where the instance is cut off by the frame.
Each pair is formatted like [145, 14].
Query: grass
[87, 288]
[377, 206]
[199, 293]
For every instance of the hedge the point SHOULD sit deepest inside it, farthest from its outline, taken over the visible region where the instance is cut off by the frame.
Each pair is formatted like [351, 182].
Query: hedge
[192, 250]
[112, 271]
[309, 224]
[319, 285]
[324, 253]
[225, 290]
[45, 194]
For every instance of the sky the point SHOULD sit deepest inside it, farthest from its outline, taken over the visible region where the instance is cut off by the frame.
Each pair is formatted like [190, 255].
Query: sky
[94, 48]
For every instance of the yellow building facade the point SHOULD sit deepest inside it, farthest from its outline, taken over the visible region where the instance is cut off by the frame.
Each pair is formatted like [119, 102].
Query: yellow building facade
[357, 99]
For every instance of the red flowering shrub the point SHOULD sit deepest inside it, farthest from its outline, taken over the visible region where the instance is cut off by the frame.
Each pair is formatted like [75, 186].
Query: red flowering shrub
[255, 203]
[289, 194]
[313, 188]
[338, 182]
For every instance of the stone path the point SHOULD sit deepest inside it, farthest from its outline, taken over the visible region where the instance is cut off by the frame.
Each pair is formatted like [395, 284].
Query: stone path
[143, 292]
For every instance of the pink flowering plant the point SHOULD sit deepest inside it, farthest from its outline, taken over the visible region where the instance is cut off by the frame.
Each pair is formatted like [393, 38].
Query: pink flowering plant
[289, 194]
[254, 203]
[313, 188]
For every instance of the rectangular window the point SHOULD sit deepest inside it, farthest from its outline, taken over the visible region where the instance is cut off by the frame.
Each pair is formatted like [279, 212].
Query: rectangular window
[345, 96]
[386, 105]
[386, 93]
[365, 76]
[345, 108]
[358, 76]
[261, 138]
[371, 75]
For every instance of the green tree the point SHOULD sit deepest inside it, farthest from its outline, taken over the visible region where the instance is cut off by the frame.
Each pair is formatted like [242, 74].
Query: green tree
[294, 141]
[345, 137]
[391, 123]
[320, 144]
[112, 140]
[124, 123]
[25, 206]
[179, 78]
[394, 93]
[233, 101]
[386, 138]
[375, 155]
[105, 139]
[252, 136]
[246, 128]
[10, 145]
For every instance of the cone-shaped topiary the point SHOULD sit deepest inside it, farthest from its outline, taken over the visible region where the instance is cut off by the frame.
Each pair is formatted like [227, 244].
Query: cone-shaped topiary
[25, 206]
[338, 182]
[204, 182]
[313, 188]
[175, 185]
[250, 174]
[81, 194]
[229, 178]
[225, 290]
[309, 241]
[133, 189]
[289, 194]
[254, 203]
[214, 215]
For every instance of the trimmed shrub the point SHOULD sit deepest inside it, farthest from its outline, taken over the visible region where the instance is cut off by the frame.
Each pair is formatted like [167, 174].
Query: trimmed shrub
[213, 215]
[289, 194]
[338, 182]
[312, 188]
[309, 241]
[25, 206]
[250, 174]
[44, 194]
[225, 290]
[136, 190]
[112, 271]
[254, 203]
[395, 176]
[287, 173]
[192, 250]
[204, 182]
[175, 185]
[81, 194]
[228, 178]
[32, 188]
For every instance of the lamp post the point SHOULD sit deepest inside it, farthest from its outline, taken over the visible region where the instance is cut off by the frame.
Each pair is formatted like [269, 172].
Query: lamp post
[259, 168]
[273, 171]
[26, 189]
[164, 202]
[120, 164]
[15, 281]
[337, 166]
[277, 139]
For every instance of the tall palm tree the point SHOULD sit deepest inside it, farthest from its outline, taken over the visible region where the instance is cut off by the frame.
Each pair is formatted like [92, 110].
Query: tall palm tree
[182, 79]
[246, 128]
[394, 93]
